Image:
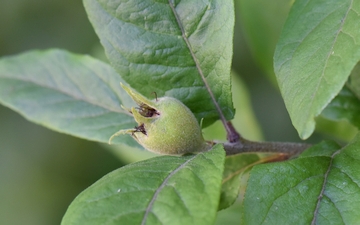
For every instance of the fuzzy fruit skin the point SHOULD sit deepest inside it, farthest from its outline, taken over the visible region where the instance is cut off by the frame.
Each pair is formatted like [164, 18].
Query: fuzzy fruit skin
[165, 126]
[174, 131]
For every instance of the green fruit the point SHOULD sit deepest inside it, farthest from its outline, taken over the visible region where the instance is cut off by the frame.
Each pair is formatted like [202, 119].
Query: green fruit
[165, 126]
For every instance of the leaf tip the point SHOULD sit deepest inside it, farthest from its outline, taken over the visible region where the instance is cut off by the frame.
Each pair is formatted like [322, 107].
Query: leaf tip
[306, 130]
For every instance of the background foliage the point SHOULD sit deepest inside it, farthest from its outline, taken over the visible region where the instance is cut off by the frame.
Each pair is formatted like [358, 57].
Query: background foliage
[41, 171]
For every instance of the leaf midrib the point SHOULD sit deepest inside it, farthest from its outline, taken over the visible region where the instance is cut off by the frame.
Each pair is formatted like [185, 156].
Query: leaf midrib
[327, 59]
[197, 64]
[65, 93]
[321, 194]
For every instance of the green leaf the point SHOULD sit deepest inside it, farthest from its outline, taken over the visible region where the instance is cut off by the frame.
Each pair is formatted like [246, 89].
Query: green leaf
[235, 167]
[231, 215]
[69, 93]
[340, 130]
[262, 21]
[170, 47]
[344, 106]
[244, 121]
[161, 190]
[322, 186]
[318, 48]
[354, 80]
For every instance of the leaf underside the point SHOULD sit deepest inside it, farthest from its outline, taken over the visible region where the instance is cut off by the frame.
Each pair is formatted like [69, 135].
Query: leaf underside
[161, 190]
[170, 47]
[322, 186]
[69, 93]
[235, 167]
[318, 48]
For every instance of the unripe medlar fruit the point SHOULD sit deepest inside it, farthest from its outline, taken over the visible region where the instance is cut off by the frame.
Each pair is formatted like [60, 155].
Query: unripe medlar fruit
[165, 126]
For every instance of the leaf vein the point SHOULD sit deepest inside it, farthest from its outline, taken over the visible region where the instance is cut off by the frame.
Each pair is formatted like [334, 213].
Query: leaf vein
[327, 59]
[335, 206]
[300, 43]
[313, 222]
[290, 189]
[163, 184]
[199, 23]
[120, 101]
[136, 25]
[198, 67]
[71, 95]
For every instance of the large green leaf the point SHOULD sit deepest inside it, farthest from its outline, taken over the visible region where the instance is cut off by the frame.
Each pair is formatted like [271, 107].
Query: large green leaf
[161, 190]
[169, 47]
[318, 48]
[262, 21]
[322, 186]
[73, 94]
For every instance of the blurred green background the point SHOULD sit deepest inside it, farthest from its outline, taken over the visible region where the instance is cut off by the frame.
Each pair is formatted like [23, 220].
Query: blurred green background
[42, 171]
